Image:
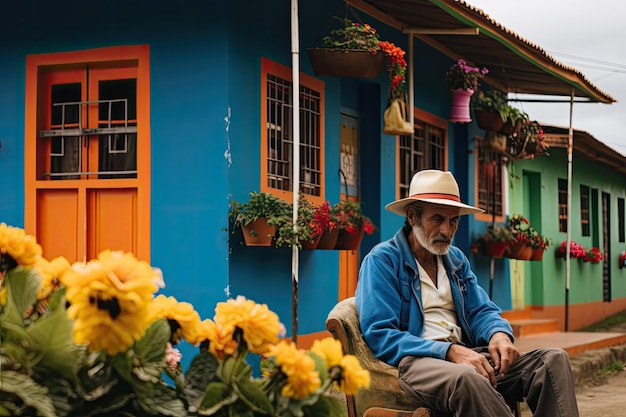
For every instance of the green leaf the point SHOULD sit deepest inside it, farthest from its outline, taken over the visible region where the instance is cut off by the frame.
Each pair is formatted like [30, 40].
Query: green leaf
[51, 338]
[30, 392]
[201, 372]
[158, 399]
[22, 285]
[151, 347]
[216, 396]
[326, 406]
[251, 394]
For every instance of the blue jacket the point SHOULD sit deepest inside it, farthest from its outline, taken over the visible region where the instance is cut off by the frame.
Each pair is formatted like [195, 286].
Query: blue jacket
[389, 302]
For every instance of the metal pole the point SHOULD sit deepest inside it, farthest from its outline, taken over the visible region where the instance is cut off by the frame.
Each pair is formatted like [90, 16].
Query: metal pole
[492, 264]
[570, 149]
[295, 67]
[411, 76]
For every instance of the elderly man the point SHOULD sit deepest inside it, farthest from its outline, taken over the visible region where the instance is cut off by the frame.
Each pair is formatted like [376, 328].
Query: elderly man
[422, 310]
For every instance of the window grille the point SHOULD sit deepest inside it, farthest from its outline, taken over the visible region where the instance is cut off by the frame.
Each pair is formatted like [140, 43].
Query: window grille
[562, 184]
[584, 210]
[490, 182]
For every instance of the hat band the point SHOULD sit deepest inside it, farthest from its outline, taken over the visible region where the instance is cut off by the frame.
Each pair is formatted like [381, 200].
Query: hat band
[438, 195]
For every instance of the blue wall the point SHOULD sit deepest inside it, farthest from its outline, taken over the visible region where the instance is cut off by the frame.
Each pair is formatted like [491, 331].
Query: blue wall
[205, 60]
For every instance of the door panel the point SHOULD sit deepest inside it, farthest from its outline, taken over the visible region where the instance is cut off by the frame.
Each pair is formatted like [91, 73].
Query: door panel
[57, 213]
[112, 214]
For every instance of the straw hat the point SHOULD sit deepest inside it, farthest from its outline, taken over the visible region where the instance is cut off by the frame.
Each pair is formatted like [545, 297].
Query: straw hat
[432, 186]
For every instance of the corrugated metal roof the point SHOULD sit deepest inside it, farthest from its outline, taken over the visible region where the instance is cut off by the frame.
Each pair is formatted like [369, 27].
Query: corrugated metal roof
[515, 64]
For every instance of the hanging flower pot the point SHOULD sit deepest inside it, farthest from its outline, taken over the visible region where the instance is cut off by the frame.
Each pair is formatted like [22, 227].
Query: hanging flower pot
[495, 248]
[520, 251]
[495, 141]
[311, 244]
[488, 120]
[349, 63]
[348, 241]
[537, 254]
[460, 108]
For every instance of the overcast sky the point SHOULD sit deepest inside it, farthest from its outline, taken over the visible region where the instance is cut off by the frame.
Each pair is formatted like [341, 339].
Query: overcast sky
[588, 35]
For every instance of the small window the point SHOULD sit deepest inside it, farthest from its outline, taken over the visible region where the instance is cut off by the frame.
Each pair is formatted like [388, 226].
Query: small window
[277, 133]
[584, 210]
[621, 227]
[425, 149]
[489, 190]
[562, 205]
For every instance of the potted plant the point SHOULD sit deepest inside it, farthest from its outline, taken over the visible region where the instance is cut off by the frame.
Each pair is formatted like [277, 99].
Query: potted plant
[576, 250]
[622, 260]
[307, 233]
[259, 217]
[352, 224]
[531, 140]
[593, 255]
[462, 80]
[514, 119]
[490, 109]
[326, 221]
[495, 242]
[352, 50]
[539, 244]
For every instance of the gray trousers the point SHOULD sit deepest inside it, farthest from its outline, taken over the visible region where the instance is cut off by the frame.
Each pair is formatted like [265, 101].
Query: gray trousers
[542, 377]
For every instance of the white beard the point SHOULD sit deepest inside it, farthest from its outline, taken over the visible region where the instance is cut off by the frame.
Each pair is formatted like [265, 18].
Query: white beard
[435, 246]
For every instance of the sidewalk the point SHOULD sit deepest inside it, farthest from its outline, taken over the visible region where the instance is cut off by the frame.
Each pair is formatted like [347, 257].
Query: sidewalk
[589, 351]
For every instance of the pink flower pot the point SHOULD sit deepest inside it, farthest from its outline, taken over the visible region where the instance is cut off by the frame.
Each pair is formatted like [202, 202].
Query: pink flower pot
[460, 109]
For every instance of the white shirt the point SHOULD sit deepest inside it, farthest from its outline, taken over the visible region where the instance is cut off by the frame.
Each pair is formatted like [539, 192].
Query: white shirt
[440, 318]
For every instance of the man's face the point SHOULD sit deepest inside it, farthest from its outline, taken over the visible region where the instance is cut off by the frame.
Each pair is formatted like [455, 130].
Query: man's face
[436, 228]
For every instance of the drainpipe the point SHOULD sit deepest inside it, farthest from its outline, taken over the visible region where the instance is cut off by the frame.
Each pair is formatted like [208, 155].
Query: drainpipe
[295, 115]
[570, 149]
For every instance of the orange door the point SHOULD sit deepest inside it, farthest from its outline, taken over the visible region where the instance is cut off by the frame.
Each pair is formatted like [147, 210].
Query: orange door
[87, 186]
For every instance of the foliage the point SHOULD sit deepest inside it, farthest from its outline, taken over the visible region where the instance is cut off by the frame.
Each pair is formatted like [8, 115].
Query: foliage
[78, 351]
[517, 229]
[351, 218]
[306, 227]
[460, 75]
[353, 35]
[593, 255]
[576, 250]
[274, 209]
[622, 260]
[492, 100]
[531, 138]
[396, 68]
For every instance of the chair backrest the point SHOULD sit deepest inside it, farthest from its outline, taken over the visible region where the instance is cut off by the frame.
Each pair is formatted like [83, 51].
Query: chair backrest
[384, 390]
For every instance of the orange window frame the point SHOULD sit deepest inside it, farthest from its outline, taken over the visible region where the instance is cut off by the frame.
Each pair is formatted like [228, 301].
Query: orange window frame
[423, 117]
[284, 72]
[487, 217]
[138, 55]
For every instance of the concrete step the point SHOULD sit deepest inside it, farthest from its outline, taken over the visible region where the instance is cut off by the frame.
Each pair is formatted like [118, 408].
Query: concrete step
[528, 327]
[574, 343]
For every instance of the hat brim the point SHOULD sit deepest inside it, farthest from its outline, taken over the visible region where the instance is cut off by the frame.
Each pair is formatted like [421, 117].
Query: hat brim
[399, 207]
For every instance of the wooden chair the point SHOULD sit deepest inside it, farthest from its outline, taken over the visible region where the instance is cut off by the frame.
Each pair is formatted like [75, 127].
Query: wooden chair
[384, 397]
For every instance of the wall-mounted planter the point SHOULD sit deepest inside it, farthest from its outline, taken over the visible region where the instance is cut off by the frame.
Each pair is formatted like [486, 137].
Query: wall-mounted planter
[349, 63]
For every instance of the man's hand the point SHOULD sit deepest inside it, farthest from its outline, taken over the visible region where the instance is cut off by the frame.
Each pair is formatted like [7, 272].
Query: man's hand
[465, 356]
[503, 352]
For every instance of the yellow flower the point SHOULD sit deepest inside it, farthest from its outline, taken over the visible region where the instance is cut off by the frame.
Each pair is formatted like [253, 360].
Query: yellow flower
[259, 325]
[23, 249]
[353, 376]
[207, 331]
[50, 272]
[3, 296]
[224, 344]
[183, 318]
[109, 299]
[298, 367]
[328, 349]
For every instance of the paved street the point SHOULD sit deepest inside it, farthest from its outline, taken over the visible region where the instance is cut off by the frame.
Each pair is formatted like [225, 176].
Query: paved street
[605, 400]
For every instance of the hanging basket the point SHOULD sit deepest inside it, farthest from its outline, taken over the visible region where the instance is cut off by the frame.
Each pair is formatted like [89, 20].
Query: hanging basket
[537, 254]
[495, 141]
[348, 63]
[520, 251]
[496, 249]
[460, 108]
[488, 120]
